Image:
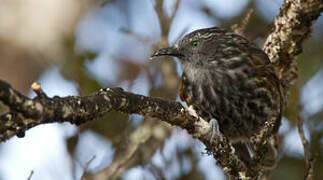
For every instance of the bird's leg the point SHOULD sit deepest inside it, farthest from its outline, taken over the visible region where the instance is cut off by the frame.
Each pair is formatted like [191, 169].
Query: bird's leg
[250, 149]
[213, 123]
[214, 128]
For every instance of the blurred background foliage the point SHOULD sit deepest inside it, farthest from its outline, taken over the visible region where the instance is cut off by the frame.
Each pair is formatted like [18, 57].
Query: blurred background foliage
[76, 47]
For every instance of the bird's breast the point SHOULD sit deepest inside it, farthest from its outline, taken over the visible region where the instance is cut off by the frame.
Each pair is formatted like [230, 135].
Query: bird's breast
[241, 101]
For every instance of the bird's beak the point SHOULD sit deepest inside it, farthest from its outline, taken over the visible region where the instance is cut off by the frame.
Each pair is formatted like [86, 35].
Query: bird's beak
[169, 51]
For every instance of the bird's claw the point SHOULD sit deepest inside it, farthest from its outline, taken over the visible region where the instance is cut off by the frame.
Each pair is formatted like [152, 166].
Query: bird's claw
[250, 149]
[214, 128]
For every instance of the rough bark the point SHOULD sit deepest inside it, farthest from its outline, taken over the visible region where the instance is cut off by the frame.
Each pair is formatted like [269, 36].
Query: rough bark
[26, 113]
[291, 27]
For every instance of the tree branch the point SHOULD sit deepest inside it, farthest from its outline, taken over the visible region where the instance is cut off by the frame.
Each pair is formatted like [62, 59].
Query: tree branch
[77, 110]
[309, 159]
[291, 27]
[143, 136]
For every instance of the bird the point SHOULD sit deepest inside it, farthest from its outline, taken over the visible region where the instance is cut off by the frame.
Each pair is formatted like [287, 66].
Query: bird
[228, 81]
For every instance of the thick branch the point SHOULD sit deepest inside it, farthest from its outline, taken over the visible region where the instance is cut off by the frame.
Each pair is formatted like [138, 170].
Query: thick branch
[77, 110]
[291, 27]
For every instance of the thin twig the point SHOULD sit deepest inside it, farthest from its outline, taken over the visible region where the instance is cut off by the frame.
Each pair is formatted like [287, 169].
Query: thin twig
[309, 159]
[175, 10]
[241, 27]
[89, 162]
[38, 90]
[138, 140]
[30, 175]
[85, 168]
[105, 2]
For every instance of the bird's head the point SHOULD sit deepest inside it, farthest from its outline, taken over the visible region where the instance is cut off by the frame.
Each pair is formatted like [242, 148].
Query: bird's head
[203, 46]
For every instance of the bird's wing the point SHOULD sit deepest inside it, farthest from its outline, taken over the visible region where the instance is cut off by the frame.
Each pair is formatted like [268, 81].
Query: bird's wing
[258, 57]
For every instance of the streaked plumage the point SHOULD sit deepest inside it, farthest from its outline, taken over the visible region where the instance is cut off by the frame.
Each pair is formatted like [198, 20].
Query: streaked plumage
[228, 78]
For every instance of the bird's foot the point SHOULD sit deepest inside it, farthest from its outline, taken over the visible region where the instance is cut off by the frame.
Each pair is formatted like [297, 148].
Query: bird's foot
[259, 175]
[214, 128]
[251, 152]
[192, 112]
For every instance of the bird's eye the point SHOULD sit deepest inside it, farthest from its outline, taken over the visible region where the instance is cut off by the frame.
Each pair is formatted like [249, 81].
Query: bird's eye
[195, 44]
